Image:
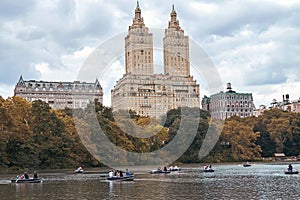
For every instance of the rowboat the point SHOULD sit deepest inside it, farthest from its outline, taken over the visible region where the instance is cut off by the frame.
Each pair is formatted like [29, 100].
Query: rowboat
[30, 180]
[159, 171]
[208, 170]
[119, 178]
[291, 171]
[79, 170]
[174, 169]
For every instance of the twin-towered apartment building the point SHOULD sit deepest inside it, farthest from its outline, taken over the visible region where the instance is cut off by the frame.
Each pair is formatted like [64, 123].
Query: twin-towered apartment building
[152, 94]
[140, 89]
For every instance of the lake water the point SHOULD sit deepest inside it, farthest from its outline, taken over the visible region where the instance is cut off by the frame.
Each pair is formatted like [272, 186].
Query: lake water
[229, 181]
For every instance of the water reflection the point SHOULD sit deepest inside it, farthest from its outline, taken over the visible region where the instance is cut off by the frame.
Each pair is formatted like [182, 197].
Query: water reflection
[120, 188]
[23, 188]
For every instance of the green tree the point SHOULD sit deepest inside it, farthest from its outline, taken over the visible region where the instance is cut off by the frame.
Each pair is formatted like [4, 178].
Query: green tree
[267, 145]
[50, 135]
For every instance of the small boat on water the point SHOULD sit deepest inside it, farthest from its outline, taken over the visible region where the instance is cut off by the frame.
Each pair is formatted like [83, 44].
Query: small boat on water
[165, 170]
[79, 170]
[120, 178]
[30, 180]
[208, 170]
[246, 165]
[159, 171]
[291, 171]
[174, 169]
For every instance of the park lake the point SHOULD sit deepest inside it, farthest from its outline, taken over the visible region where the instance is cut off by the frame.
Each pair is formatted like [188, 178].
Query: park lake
[229, 181]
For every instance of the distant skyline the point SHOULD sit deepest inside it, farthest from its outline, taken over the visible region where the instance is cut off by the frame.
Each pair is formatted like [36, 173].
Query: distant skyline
[254, 44]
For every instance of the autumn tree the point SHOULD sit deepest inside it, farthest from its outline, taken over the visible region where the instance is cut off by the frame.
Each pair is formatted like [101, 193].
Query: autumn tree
[240, 138]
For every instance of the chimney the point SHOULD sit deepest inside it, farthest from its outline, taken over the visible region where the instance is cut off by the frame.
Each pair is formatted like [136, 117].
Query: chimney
[287, 98]
[229, 86]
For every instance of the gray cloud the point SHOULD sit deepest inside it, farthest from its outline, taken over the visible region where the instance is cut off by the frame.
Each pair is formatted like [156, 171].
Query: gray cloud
[10, 9]
[254, 43]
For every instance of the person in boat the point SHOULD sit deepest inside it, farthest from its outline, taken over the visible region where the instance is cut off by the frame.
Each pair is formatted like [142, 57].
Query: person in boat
[26, 175]
[35, 175]
[165, 168]
[117, 174]
[290, 168]
[22, 176]
[111, 173]
[79, 169]
[127, 172]
[207, 167]
[121, 173]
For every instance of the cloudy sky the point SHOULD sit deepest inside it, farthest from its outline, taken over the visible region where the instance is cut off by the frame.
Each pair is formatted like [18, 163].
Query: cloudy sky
[254, 44]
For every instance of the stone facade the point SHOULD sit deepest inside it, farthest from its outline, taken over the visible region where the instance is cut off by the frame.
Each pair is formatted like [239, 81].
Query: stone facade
[152, 94]
[227, 104]
[176, 49]
[60, 95]
[139, 47]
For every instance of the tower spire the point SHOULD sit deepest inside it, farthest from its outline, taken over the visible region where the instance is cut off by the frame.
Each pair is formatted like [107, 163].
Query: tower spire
[174, 23]
[138, 21]
[176, 48]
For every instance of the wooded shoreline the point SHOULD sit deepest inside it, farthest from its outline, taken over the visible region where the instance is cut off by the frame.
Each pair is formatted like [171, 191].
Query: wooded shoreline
[33, 136]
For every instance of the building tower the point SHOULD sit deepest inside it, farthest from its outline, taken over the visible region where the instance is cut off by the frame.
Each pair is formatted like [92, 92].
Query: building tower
[176, 49]
[139, 47]
[150, 94]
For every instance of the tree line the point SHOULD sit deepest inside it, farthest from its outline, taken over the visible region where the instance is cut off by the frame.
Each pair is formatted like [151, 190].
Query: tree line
[33, 136]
